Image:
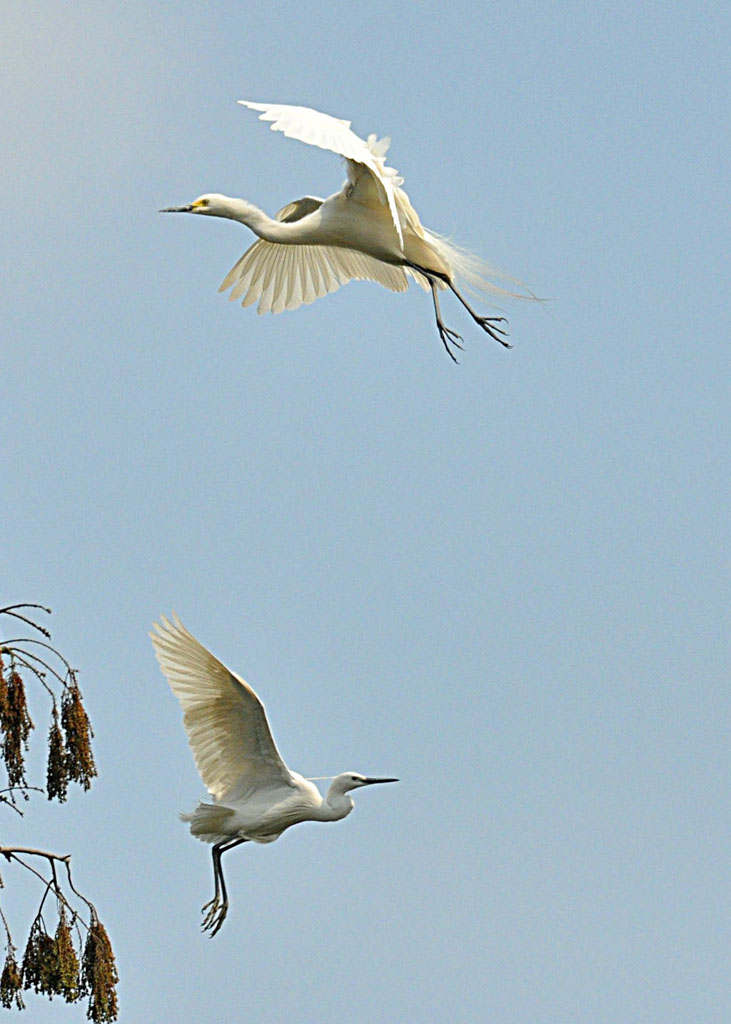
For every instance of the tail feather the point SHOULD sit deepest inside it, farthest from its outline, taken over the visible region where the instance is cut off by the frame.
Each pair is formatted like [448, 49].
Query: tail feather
[475, 273]
[208, 822]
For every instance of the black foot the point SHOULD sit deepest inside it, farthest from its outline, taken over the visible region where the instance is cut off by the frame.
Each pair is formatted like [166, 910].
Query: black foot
[487, 323]
[450, 337]
[215, 914]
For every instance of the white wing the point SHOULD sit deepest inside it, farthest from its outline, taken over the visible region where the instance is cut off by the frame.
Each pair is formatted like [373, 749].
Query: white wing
[226, 722]
[283, 277]
[334, 134]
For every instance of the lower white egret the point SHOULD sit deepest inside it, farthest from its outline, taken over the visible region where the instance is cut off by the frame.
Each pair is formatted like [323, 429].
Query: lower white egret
[255, 795]
[369, 230]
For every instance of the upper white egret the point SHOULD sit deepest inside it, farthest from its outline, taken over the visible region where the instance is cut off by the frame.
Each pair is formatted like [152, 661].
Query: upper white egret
[368, 230]
[255, 795]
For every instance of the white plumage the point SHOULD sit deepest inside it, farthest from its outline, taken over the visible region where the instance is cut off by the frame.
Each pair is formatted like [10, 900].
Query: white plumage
[367, 231]
[255, 795]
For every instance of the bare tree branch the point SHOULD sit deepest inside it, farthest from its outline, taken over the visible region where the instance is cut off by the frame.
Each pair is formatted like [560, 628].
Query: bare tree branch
[50, 964]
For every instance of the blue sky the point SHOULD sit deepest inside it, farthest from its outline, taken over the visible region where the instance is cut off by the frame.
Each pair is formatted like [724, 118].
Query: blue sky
[503, 582]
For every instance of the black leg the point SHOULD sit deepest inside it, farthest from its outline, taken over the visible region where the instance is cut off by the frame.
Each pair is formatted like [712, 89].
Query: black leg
[487, 323]
[216, 909]
[448, 336]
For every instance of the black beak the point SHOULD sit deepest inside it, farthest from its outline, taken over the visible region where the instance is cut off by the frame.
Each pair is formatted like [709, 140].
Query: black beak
[176, 209]
[373, 782]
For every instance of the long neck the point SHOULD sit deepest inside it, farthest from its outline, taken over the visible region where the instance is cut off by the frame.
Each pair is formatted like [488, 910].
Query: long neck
[335, 806]
[261, 224]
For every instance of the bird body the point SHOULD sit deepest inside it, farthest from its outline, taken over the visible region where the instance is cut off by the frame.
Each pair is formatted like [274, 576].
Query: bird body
[336, 221]
[368, 230]
[264, 813]
[255, 795]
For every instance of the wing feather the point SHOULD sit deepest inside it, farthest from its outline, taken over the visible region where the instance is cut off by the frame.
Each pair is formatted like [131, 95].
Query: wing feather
[281, 277]
[280, 300]
[298, 209]
[225, 721]
[335, 135]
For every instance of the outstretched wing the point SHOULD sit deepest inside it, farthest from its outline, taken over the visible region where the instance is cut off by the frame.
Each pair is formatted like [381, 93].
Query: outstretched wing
[334, 134]
[281, 277]
[226, 722]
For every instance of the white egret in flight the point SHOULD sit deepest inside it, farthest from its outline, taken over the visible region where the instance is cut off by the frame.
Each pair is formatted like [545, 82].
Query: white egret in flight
[255, 795]
[369, 230]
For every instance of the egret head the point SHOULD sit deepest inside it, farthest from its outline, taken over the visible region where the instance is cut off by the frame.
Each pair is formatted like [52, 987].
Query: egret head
[354, 780]
[211, 204]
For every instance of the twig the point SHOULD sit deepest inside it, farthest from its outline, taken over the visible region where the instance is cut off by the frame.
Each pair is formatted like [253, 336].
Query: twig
[11, 803]
[11, 853]
[10, 610]
[8, 851]
[7, 646]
